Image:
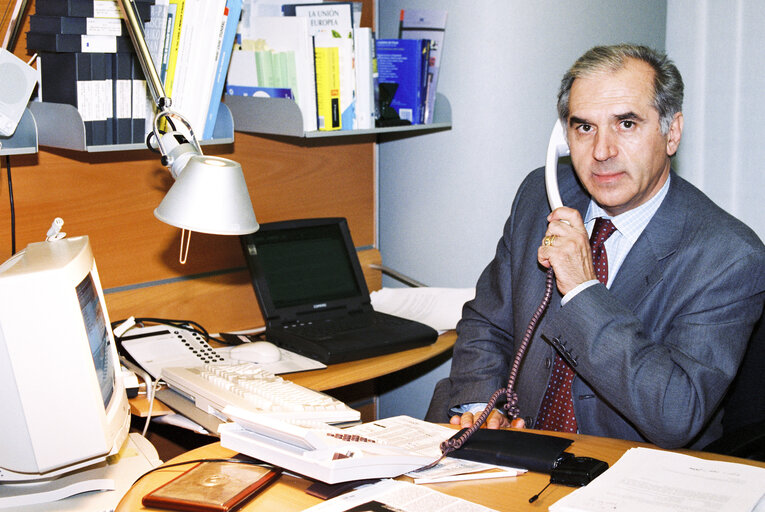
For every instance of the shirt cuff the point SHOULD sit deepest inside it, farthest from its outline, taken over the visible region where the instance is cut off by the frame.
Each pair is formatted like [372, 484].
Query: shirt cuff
[474, 408]
[571, 294]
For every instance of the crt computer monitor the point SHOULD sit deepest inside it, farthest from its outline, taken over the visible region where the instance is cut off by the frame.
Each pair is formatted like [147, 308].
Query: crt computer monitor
[62, 399]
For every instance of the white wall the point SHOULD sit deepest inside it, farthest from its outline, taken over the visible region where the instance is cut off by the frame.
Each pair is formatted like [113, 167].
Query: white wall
[444, 197]
[720, 49]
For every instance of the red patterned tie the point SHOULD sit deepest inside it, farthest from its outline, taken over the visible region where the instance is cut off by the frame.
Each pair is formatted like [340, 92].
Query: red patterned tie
[557, 410]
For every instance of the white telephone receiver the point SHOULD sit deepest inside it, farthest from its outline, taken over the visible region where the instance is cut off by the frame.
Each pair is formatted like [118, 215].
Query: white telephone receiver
[556, 148]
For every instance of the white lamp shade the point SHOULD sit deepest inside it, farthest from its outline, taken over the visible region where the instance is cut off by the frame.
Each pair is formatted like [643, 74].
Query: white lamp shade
[209, 196]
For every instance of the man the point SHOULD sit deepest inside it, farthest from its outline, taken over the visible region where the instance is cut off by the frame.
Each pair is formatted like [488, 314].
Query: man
[654, 335]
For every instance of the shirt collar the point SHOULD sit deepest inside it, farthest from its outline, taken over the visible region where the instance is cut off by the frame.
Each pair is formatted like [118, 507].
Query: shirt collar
[631, 223]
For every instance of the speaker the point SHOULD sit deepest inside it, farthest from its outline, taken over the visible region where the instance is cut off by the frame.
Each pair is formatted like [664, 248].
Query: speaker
[16, 84]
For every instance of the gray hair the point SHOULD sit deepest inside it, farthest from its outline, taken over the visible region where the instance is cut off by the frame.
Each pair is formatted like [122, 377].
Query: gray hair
[667, 82]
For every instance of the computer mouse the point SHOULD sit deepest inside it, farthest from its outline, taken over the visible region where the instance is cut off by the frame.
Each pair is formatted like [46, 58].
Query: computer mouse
[257, 352]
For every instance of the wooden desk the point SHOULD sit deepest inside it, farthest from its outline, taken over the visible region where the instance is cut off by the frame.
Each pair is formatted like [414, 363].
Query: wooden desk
[341, 374]
[512, 493]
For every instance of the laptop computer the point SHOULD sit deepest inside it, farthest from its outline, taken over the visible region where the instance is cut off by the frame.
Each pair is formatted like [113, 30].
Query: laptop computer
[311, 290]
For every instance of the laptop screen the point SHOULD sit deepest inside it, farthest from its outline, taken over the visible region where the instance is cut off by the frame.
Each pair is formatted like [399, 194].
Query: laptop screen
[305, 265]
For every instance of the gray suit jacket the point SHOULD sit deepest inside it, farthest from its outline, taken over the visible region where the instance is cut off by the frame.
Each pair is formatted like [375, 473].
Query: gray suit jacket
[654, 354]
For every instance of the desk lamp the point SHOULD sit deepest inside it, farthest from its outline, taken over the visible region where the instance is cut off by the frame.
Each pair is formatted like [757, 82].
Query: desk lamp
[209, 194]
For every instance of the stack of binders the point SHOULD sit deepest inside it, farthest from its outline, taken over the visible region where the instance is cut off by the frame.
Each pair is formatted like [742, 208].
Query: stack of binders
[86, 60]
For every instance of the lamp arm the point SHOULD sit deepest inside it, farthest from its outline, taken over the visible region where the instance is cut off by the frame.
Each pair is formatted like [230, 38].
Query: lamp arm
[135, 30]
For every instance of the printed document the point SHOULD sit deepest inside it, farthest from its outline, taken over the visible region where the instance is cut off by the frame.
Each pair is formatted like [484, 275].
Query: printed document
[648, 479]
[396, 496]
[424, 438]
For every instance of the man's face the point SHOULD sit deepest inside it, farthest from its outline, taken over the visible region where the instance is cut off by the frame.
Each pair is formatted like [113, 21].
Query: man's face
[617, 148]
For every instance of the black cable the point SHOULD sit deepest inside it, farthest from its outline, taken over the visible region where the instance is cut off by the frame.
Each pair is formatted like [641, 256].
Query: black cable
[188, 325]
[11, 204]
[511, 406]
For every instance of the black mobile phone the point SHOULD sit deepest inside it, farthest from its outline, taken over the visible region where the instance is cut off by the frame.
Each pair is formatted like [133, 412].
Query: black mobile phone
[577, 471]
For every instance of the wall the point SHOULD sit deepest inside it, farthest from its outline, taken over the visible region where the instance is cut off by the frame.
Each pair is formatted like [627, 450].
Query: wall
[719, 47]
[444, 197]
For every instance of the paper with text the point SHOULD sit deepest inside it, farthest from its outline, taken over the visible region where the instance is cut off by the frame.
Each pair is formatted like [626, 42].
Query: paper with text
[647, 479]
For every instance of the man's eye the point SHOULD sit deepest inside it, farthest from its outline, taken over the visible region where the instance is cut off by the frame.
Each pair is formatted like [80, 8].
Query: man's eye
[584, 128]
[628, 124]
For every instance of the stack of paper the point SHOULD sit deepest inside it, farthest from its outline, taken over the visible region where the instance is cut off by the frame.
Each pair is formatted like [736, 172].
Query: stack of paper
[645, 479]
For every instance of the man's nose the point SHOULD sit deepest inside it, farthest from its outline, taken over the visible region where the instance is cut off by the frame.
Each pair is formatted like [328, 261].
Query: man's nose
[605, 146]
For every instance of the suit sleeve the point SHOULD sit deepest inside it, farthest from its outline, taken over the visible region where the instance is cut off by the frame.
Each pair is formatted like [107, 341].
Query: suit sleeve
[667, 373]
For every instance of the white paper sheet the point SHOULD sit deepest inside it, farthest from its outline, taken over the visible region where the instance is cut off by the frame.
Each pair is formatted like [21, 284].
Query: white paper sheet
[647, 479]
[440, 308]
[397, 496]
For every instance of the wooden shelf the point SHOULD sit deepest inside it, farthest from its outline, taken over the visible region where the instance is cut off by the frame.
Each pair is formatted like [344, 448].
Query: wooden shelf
[24, 139]
[281, 116]
[61, 126]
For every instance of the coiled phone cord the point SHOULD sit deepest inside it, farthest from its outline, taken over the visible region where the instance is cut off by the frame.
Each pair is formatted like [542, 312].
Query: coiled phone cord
[511, 406]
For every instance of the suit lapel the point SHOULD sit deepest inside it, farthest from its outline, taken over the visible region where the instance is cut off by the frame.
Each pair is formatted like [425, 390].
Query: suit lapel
[646, 262]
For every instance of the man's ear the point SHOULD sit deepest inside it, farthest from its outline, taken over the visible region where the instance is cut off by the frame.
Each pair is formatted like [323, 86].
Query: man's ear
[675, 134]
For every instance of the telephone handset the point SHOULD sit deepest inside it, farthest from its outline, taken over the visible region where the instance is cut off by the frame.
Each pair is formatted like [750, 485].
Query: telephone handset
[556, 148]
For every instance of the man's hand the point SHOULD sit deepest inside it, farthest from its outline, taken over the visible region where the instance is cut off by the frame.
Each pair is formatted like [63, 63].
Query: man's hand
[495, 420]
[568, 253]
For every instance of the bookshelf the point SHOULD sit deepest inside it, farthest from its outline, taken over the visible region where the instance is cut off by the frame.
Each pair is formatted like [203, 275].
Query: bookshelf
[24, 139]
[61, 126]
[280, 116]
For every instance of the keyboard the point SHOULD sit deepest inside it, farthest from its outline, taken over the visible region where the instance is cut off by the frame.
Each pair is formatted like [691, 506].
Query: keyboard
[248, 386]
[320, 330]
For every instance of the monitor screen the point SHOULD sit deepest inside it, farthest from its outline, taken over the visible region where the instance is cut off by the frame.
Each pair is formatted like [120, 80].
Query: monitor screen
[306, 265]
[98, 336]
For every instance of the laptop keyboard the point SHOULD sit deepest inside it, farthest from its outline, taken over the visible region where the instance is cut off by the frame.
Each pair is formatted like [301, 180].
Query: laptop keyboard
[326, 329]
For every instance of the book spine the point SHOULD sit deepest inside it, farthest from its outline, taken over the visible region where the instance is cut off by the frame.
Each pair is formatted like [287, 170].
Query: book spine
[230, 23]
[328, 88]
[87, 8]
[175, 42]
[364, 108]
[98, 101]
[141, 104]
[123, 98]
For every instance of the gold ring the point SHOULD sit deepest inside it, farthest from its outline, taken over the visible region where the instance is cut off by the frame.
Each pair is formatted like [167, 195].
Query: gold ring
[548, 240]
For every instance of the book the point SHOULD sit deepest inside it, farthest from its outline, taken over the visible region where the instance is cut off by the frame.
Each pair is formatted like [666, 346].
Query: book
[230, 22]
[404, 63]
[328, 88]
[75, 25]
[65, 78]
[195, 62]
[142, 105]
[88, 8]
[426, 24]
[61, 43]
[277, 34]
[107, 98]
[155, 32]
[212, 486]
[331, 25]
[366, 75]
[261, 92]
[101, 100]
[177, 10]
[123, 97]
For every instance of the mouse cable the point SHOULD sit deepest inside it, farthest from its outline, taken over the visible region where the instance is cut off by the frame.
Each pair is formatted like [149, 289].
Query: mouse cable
[188, 325]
